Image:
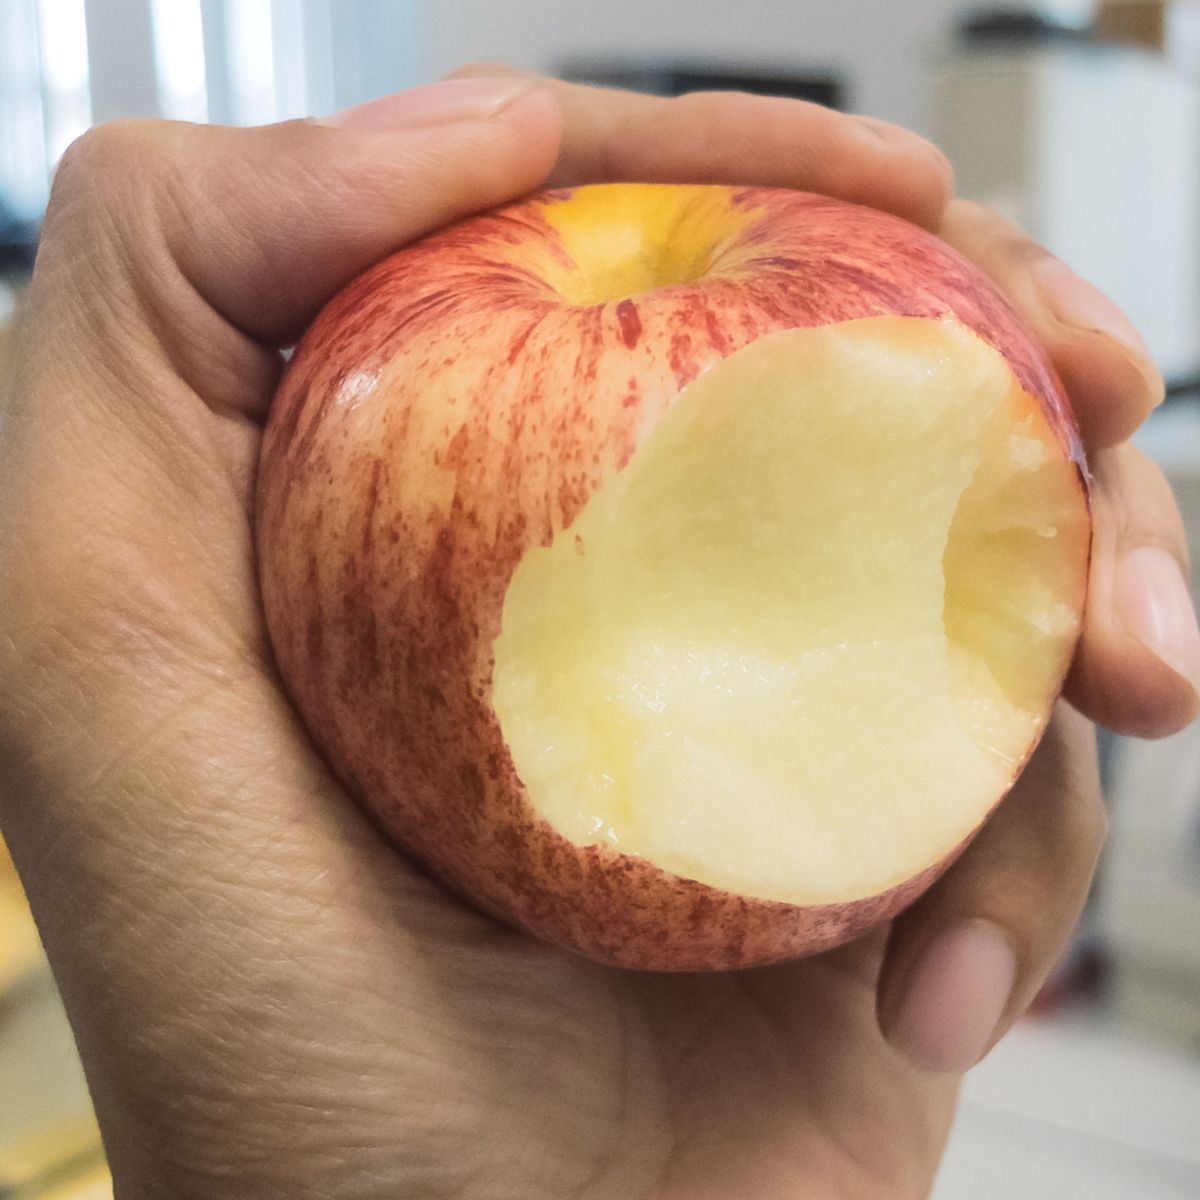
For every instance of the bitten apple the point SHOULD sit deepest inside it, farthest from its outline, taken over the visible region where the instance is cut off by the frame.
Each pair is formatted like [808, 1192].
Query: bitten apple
[681, 573]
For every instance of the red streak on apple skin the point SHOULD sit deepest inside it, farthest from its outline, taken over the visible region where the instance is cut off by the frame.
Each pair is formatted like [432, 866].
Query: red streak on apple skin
[397, 497]
[631, 326]
[518, 346]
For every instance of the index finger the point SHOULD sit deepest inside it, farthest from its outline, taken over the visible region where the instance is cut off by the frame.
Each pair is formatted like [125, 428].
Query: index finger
[612, 135]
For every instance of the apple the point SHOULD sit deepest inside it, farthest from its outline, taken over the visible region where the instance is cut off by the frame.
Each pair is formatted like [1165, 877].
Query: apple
[682, 574]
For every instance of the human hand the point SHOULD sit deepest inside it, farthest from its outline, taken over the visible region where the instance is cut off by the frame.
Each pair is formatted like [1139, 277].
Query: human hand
[268, 1001]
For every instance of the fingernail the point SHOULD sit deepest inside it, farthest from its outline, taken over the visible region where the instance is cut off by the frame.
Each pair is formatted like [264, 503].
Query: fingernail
[954, 997]
[1154, 605]
[1077, 303]
[434, 104]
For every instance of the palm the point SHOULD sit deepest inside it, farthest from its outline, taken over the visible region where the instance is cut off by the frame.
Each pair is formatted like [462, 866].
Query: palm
[535, 1073]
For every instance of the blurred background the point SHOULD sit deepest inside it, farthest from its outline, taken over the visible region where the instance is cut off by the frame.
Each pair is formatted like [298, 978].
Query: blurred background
[1078, 119]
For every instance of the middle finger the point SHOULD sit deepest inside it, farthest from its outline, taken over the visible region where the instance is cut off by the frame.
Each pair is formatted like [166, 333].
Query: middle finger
[1103, 361]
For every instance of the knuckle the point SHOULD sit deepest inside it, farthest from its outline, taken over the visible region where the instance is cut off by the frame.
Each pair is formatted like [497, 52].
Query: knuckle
[1020, 249]
[1000, 238]
[713, 105]
[1101, 825]
[1090, 819]
[96, 157]
[106, 176]
[1136, 504]
[970, 212]
[709, 117]
[1010, 244]
[1085, 817]
[485, 69]
[1063, 813]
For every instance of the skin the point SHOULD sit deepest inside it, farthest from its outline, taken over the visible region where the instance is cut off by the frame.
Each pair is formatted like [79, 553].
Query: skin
[267, 1003]
[389, 525]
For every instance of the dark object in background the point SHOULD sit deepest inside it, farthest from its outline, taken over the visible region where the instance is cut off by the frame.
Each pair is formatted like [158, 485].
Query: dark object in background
[17, 241]
[1130, 22]
[665, 79]
[1017, 27]
[1080, 979]
[17, 251]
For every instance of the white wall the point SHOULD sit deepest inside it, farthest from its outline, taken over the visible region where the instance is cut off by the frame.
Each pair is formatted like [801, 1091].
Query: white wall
[886, 49]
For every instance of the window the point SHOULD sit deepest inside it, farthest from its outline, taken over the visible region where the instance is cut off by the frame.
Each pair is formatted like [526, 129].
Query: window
[44, 97]
[65, 63]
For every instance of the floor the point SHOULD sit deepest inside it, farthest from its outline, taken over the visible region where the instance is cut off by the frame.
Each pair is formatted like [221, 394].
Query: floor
[49, 1144]
[1077, 1107]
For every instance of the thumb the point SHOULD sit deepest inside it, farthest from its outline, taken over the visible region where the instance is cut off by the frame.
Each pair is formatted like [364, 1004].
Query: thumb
[267, 223]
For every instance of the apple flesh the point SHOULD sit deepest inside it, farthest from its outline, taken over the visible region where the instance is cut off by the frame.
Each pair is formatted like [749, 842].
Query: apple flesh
[682, 574]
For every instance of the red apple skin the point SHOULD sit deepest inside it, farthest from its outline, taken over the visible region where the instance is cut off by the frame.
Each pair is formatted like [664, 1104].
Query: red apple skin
[445, 413]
